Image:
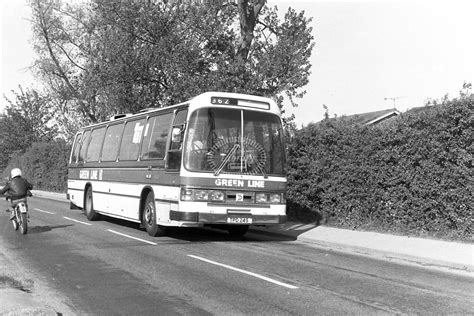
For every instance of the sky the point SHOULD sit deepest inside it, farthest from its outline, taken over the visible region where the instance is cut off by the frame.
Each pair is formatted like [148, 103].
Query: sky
[369, 55]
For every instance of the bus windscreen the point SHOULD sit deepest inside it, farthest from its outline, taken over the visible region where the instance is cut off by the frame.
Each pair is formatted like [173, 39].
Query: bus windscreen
[234, 141]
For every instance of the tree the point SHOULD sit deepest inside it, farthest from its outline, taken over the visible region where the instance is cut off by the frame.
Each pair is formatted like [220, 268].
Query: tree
[248, 16]
[28, 119]
[104, 57]
[63, 44]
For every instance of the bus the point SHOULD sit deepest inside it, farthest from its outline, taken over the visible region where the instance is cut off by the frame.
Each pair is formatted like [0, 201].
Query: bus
[217, 160]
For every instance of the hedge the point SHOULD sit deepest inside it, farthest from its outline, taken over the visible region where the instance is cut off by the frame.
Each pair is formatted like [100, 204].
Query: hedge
[44, 165]
[413, 176]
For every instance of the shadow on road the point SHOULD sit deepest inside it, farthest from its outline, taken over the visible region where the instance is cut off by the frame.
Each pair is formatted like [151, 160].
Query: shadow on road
[284, 232]
[202, 235]
[44, 229]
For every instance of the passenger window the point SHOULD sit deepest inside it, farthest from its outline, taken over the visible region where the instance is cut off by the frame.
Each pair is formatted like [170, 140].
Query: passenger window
[76, 150]
[84, 144]
[93, 151]
[111, 143]
[156, 136]
[132, 136]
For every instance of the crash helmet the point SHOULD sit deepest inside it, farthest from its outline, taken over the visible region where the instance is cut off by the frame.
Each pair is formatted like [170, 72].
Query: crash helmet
[16, 172]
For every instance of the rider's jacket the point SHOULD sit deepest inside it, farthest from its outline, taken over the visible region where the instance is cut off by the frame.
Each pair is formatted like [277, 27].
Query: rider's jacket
[17, 188]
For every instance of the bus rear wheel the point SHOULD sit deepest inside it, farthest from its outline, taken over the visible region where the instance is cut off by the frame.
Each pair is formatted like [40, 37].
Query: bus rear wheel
[237, 231]
[89, 207]
[149, 218]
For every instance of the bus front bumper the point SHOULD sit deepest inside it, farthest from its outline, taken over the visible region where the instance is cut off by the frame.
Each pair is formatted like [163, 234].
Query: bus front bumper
[245, 219]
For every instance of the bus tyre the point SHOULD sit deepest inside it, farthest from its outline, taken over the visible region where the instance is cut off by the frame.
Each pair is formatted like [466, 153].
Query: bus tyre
[89, 207]
[238, 231]
[149, 218]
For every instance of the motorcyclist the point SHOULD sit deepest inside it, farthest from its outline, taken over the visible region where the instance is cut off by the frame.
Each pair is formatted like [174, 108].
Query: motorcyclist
[17, 188]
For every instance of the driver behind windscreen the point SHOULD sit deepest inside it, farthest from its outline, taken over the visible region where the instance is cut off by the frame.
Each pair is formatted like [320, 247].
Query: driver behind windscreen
[195, 139]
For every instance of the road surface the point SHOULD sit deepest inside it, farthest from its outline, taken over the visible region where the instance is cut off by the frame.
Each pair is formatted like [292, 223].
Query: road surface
[112, 267]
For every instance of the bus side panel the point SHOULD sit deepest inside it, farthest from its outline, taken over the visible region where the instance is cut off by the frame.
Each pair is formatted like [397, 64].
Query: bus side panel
[117, 199]
[98, 199]
[76, 192]
[166, 199]
[162, 212]
[123, 199]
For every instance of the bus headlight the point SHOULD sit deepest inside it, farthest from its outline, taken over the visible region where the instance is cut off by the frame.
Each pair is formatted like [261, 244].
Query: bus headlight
[276, 198]
[261, 198]
[217, 196]
[202, 195]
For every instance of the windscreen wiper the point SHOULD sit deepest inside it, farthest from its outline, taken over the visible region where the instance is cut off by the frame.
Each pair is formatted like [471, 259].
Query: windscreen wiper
[262, 170]
[226, 159]
[259, 167]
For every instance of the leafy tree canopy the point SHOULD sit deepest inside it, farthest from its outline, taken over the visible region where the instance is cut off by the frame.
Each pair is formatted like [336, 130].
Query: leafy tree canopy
[103, 57]
[28, 119]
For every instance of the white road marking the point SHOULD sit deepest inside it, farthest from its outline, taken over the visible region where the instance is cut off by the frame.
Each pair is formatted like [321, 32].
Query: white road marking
[128, 236]
[245, 272]
[39, 210]
[75, 220]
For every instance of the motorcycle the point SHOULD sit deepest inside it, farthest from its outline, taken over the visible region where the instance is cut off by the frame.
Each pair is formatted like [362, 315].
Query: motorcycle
[20, 215]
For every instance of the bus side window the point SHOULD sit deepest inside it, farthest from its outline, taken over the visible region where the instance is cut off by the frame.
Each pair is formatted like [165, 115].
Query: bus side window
[93, 150]
[176, 141]
[132, 136]
[111, 142]
[76, 149]
[84, 144]
[156, 136]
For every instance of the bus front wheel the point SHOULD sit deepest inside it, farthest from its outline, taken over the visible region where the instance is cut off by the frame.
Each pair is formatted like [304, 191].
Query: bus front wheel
[149, 218]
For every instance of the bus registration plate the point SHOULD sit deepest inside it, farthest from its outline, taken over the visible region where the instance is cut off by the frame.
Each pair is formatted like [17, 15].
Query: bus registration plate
[239, 220]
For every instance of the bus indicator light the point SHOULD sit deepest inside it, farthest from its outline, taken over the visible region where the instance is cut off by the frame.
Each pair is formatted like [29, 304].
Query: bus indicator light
[186, 195]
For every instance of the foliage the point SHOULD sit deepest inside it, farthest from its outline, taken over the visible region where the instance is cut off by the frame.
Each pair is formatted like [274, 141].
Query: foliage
[413, 176]
[28, 119]
[44, 165]
[102, 57]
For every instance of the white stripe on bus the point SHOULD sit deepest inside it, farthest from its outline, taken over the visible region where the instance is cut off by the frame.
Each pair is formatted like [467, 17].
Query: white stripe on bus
[245, 272]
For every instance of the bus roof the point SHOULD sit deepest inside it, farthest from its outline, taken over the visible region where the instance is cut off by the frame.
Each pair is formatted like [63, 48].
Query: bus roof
[226, 99]
[216, 99]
